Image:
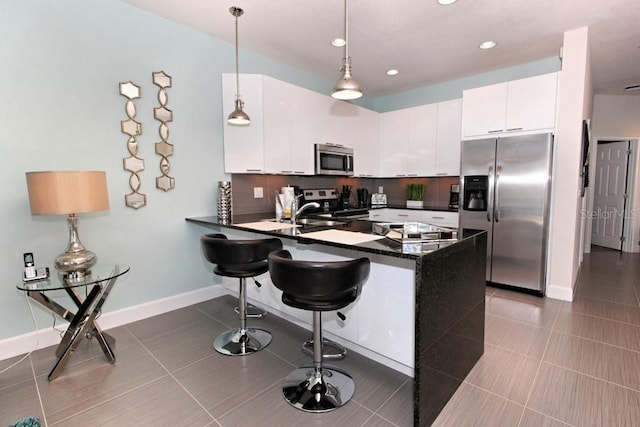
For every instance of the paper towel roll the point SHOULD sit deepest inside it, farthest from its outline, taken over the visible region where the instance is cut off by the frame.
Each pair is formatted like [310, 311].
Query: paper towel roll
[288, 196]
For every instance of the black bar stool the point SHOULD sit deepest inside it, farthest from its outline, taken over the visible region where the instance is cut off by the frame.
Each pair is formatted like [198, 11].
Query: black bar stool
[317, 286]
[241, 259]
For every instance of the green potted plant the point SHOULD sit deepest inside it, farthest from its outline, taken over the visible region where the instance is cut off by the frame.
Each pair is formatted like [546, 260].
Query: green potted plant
[415, 195]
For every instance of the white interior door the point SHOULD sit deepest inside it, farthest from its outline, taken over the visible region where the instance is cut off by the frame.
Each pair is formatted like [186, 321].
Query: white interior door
[609, 194]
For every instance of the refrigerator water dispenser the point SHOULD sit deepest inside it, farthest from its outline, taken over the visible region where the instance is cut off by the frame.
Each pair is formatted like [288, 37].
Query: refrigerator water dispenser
[475, 192]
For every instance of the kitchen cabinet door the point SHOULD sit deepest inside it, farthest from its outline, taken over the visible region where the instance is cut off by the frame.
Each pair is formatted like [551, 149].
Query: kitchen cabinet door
[516, 106]
[386, 317]
[243, 145]
[403, 215]
[441, 218]
[394, 134]
[379, 215]
[448, 138]
[421, 140]
[531, 103]
[484, 110]
[365, 140]
[287, 145]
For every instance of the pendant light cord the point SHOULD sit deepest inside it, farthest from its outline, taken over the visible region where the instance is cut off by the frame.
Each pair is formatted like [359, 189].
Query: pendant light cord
[346, 30]
[237, 62]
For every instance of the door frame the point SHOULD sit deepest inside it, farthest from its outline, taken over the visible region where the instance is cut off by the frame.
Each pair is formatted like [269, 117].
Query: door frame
[631, 224]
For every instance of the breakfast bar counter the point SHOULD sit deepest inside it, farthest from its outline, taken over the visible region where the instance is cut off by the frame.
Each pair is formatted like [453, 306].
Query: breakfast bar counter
[419, 313]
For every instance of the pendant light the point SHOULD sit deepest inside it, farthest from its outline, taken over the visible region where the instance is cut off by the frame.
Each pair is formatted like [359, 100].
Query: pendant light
[346, 88]
[238, 117]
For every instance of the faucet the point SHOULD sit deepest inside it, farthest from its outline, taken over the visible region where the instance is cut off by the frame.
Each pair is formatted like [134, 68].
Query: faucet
[295, 212]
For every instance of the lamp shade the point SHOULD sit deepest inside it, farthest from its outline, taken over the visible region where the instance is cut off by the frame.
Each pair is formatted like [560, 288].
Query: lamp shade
[67, 192]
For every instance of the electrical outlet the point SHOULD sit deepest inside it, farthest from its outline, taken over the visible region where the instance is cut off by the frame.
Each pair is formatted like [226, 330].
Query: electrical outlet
[258, 193]
[381, 189]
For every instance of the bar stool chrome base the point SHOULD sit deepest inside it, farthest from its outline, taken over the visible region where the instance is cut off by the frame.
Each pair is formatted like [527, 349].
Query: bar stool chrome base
[339, 351]
[318, 390]
[236, 343]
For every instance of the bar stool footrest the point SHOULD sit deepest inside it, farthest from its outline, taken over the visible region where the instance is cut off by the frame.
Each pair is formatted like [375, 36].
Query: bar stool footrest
[252, 311]
[339, 351]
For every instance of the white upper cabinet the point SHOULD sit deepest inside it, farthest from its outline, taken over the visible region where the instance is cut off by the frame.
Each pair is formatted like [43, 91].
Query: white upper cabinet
[358, 128]
[449, 129]
[516, 106]
[394, 135]
[365, 140]
[484, 110]
[421, 144]
[286, 122]
[243, 145]
[288, 141]
[421, 141]
[531, 103]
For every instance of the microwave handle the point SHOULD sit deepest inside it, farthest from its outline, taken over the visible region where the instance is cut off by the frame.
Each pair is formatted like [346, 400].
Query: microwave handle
[347, 163]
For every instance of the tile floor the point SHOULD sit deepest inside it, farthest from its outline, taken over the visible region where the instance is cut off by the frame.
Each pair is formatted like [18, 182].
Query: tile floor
[546, 363]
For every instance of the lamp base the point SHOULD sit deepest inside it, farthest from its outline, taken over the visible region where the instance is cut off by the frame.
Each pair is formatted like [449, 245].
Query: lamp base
[75, 264]
[76, 261]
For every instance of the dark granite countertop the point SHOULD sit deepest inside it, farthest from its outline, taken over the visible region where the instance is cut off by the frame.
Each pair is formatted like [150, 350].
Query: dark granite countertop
[382, 246]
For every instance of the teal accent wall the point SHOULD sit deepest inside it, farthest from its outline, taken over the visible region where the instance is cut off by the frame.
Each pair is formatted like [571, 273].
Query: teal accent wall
[60, 65]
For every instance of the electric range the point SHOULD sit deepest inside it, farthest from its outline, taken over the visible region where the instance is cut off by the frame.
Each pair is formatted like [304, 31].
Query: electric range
[330, 204]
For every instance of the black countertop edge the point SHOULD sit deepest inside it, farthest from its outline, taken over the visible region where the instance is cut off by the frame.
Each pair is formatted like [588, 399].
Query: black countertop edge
[423, 208]
[380, 246]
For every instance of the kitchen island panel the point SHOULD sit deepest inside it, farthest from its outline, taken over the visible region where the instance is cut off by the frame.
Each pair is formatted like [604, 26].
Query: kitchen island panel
[450, 314]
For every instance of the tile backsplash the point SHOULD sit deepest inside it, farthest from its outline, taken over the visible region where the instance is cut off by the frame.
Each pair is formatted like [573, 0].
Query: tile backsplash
[436, 191]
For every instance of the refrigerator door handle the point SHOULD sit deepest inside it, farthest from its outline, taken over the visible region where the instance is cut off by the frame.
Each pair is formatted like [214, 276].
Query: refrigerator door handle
[497, 191]
[490, 195]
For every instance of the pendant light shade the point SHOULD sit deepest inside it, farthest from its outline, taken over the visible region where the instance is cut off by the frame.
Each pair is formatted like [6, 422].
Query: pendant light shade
[346, 88]
[238, 116]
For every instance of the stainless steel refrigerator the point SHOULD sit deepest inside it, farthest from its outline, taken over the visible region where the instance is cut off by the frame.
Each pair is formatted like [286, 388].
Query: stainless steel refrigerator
[505, 190]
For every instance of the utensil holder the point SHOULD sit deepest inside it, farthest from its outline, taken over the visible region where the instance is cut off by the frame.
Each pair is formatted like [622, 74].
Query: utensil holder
[225, 205]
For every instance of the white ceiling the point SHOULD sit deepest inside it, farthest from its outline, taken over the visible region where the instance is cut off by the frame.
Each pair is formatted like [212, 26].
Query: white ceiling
[427, 42]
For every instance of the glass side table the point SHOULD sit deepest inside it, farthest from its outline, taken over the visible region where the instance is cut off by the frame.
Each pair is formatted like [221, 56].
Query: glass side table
[82, 323]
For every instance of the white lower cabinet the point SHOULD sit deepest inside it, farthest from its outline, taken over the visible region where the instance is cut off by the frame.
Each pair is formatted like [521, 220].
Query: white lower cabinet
[380, 321]
[386, 311]
[441, 218]
[394, 215]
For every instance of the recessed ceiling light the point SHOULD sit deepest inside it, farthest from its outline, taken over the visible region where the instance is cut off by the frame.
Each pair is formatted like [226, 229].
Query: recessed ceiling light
[338, 42]
[392, 72]
[488, 44]
[446, 2]
[632, 87]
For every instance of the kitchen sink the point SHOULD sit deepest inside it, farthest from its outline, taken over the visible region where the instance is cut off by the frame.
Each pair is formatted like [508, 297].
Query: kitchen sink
[319, 222]
[312, 222]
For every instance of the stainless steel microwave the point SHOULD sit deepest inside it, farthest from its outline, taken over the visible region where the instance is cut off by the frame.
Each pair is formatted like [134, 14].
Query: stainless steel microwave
[333, 159]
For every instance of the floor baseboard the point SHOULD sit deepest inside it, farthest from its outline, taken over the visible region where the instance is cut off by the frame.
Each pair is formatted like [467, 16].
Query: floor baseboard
[45, 337]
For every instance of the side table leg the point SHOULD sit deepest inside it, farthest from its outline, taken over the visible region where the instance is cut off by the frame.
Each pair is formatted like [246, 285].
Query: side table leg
[102, 340]
[74, 333]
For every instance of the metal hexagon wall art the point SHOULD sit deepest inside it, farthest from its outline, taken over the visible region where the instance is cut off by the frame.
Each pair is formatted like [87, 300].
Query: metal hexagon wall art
[133, 163]
[164, 116]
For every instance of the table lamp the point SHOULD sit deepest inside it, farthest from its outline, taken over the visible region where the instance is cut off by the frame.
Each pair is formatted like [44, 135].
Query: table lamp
[69, 193]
